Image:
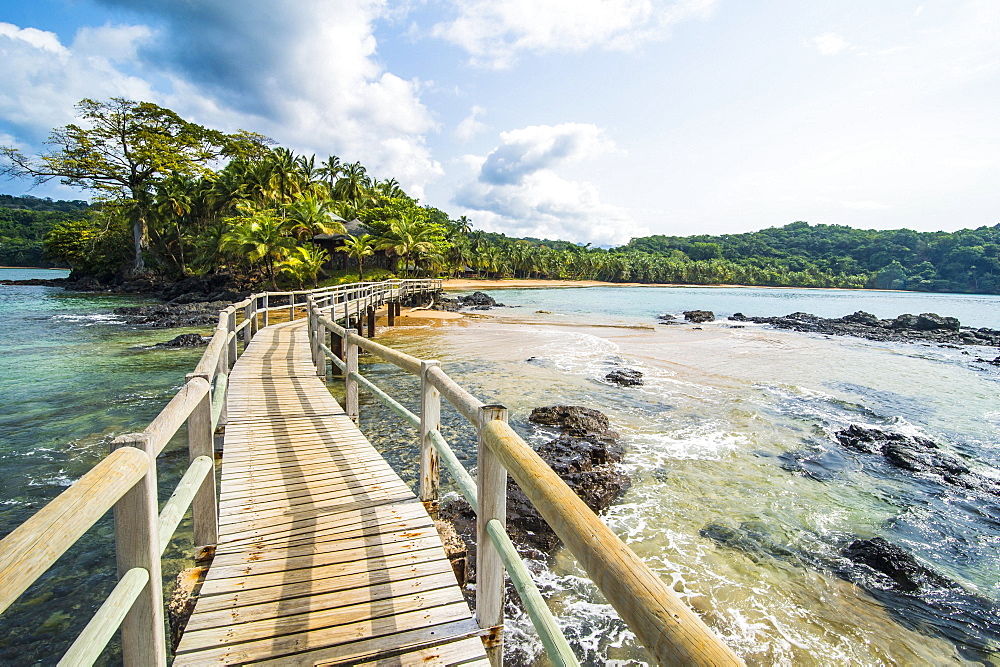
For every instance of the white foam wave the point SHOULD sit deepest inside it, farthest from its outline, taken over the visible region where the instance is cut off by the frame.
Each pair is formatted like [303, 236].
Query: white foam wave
[90, 320]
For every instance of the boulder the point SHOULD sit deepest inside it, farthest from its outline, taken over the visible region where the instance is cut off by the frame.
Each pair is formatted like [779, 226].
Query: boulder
[897, 564]
[699, 316]
[186, 340]
[625, 377]
[584, 455]
[933, 322]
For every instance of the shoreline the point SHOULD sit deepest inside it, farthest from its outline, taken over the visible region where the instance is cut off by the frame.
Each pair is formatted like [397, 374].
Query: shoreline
[540, 283]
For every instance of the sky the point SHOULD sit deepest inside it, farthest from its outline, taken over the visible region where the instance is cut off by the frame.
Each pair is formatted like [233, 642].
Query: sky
[592, 121]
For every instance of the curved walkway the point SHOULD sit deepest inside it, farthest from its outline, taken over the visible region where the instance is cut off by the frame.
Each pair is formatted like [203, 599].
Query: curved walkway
[324, 554]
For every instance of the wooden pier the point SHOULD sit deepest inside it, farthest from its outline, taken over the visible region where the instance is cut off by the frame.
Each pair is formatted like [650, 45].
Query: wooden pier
[324, 554]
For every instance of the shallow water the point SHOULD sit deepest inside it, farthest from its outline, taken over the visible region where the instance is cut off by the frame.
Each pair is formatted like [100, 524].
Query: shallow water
[72, 377]
[741, 495]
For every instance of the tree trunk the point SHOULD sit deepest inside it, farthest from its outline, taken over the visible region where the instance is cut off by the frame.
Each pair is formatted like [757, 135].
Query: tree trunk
[139, 241]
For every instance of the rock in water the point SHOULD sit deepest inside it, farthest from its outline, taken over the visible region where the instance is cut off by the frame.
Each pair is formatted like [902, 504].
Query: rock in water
[626, 377]
[186, 340]
[699, 316]
[585, 456]
[895, 563]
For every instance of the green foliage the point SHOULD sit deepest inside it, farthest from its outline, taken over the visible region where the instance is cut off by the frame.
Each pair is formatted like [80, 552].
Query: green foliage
[24, 222]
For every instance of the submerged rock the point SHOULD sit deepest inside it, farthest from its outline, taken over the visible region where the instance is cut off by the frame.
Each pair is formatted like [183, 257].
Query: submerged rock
[915, 454]
[625, 377]
[474, 301]
[896, 563]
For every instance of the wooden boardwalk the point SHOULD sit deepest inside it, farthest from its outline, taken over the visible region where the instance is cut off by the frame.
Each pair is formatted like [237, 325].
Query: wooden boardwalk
[324, 554]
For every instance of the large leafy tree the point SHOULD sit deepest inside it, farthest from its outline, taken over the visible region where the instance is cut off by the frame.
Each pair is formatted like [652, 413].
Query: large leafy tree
[122, 149]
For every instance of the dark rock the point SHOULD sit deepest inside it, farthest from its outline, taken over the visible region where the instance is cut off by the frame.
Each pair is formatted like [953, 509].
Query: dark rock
[186, 340]
[918, 455]
[626, 377]
[861, 317]
[584, 455]
[699, 316]
[666, 318]
[923, 328]
[894, 562]
[170, 316]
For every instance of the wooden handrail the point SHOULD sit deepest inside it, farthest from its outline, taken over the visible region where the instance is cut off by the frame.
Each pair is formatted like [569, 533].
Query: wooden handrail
[31, 548]
[176, 412]
[663, 623]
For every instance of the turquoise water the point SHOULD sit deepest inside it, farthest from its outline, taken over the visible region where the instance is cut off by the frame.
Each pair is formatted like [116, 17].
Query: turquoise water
[644, 303]
[741, 495]
[72, 377]
[713, 438]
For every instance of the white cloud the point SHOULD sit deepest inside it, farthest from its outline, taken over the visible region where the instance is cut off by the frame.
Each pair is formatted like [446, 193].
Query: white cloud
[495, 32]
[516, 190]
[43, 78]
[471, 125]
[537, 147]
[830, 44]
[305, 73]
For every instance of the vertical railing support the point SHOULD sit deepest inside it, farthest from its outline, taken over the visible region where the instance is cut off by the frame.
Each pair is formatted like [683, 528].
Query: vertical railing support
[351, 384]
[231, 327]
[291, 306]
[267, 305]
[430, 420]
[137, 544]
[492, 501]
[253, 316]
[201, 442]
[247, 333]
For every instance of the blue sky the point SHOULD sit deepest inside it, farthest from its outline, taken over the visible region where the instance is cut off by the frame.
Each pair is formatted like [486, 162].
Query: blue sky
[585, 120]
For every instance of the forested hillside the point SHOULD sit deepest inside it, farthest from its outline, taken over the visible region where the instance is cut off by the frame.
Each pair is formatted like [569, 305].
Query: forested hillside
[964, 261]
[24, 221]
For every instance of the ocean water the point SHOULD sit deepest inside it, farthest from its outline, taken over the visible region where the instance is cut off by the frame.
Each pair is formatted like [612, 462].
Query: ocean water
[741, 495]
[72, 377]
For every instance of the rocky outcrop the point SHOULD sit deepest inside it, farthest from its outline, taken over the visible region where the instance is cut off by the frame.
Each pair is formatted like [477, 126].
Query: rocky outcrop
[186, 340]
[906, 573]
[917, 455]
[926, 327]
[166, 316]
[699, 316]
[584, 455]
[474, 301]
[625, 377]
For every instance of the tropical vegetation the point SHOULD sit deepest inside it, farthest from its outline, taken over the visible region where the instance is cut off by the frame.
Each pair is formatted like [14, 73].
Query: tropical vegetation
[174, 199]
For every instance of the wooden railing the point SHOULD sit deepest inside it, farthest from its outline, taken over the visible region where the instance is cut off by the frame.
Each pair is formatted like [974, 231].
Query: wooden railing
[125, 481]
[670, 631]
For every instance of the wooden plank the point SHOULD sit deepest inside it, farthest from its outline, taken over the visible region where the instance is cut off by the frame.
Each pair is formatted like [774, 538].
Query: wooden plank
[324, 553]
[342, 641]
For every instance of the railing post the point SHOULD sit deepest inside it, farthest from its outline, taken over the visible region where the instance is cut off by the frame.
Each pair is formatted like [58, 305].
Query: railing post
[291, 306]
[267, 304]
[201, 442]
[253, 316]
[247, 333]
[430, 420]
[492, 500]
[137, 544]
[350, 384]
[231, 327]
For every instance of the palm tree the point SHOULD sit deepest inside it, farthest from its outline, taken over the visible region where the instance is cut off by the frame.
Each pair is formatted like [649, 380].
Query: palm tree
[174, 202]
[304, 263]
[359, 247]
[353, 184]
[310, 216]
[257, 235]
[330, 170]
[409, 239]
